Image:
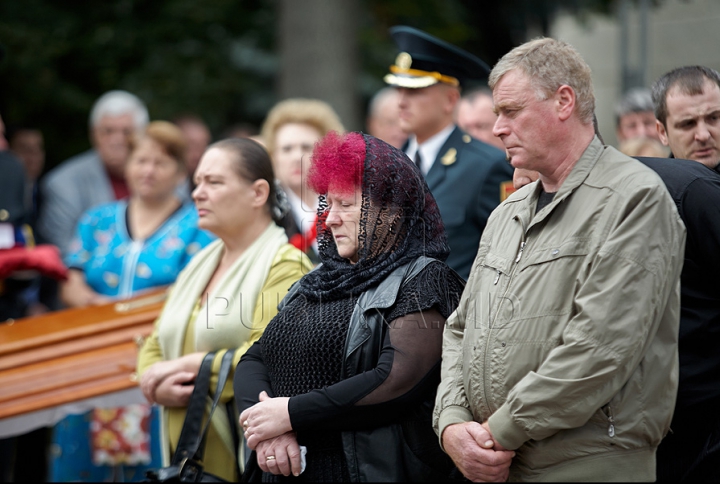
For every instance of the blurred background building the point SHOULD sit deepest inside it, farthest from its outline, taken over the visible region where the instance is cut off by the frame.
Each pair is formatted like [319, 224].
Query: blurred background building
[636, 42]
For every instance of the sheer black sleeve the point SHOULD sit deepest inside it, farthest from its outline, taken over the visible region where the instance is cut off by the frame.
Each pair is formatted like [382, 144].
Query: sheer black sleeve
[408, 366]
[250, 378]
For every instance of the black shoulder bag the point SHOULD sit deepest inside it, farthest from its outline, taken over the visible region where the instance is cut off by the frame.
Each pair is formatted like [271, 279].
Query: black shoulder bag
[186, 464]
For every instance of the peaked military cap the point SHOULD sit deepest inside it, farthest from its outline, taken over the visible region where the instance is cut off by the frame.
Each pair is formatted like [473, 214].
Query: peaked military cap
[425, 60]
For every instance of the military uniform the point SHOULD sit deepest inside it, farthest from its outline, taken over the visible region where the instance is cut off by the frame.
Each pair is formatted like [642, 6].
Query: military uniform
[468, 178]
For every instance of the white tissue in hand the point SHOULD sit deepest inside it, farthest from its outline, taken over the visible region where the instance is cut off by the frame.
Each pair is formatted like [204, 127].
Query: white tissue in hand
[303, 451]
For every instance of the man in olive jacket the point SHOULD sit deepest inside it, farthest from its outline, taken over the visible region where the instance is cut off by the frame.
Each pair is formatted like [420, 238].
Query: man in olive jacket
[561, 362]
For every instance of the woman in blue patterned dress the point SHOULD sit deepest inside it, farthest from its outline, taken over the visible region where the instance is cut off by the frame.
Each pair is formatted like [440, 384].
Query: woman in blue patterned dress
[120, 250]
[144, 241]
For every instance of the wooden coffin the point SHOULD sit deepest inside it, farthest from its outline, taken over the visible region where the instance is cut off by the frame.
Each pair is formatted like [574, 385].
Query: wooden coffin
[73, 354]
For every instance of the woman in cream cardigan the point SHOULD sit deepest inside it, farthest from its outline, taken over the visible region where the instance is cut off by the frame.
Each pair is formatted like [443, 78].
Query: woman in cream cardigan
[226, 295]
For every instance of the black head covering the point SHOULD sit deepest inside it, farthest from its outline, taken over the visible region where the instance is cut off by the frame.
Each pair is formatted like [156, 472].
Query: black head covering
[399, 221]
[425, 60]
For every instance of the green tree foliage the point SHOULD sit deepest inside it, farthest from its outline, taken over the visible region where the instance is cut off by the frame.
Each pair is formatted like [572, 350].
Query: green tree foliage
[215, 58]
[210, 57]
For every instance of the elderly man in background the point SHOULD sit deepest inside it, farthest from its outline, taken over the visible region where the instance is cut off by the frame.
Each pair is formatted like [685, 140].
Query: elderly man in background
[475, 115]
[635, 116]
[560, 364]
[95, 176]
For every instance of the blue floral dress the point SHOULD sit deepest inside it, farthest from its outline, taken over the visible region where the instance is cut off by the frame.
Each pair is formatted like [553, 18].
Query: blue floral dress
[117, 265]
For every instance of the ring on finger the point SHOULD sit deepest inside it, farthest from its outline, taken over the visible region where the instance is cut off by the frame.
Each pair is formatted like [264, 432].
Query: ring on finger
[269, 458]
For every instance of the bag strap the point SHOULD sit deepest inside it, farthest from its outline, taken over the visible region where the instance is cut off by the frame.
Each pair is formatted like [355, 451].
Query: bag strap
[192, 440]
[223, 374]
[187, 444]
[239, 452]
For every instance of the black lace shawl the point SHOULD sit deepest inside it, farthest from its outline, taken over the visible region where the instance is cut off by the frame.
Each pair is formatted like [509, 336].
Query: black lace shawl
[399, 221]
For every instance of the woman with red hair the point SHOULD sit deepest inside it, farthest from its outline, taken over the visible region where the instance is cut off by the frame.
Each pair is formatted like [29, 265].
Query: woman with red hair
[342, 384]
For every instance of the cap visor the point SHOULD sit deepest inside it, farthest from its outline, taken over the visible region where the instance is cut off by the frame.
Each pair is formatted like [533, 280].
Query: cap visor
[411, 82]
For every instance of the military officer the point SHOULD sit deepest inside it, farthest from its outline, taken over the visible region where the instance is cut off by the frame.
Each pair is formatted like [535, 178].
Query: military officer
[466, 176]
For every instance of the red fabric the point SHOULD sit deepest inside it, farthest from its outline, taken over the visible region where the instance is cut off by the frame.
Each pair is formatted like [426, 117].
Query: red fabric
[304, 241]
[120, 188]
[44, 258]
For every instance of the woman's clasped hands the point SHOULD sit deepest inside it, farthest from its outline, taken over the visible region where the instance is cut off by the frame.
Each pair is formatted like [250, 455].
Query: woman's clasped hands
[267, 429]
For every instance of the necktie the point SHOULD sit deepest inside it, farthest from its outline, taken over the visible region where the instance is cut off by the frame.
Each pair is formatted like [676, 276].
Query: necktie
[418, 160]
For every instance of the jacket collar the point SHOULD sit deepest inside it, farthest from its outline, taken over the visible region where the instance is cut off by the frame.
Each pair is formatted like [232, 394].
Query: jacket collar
[582, 168]
[577, 176]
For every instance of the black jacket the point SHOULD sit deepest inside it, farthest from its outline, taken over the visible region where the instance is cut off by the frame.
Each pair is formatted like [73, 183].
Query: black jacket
[695, 189]
[385, 453]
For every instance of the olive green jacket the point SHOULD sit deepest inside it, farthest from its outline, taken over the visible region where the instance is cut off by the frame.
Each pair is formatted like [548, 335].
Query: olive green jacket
[566, 335]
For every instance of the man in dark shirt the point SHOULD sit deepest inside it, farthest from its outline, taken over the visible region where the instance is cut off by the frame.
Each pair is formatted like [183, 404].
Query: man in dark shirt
[687, 107]
[691, 451]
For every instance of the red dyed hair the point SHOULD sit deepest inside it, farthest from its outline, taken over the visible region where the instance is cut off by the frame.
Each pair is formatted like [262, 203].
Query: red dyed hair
[337, 160]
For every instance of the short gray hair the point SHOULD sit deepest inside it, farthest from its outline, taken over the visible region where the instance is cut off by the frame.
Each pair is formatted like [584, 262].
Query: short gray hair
[476, 93]
[635, 100]
[117, 103]
[378, 98]
[550, 63]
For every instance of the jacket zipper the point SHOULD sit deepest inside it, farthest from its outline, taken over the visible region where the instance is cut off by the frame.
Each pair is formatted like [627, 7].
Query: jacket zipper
[510, 276]
[611, 422]
[507, 288]
[517, 259]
